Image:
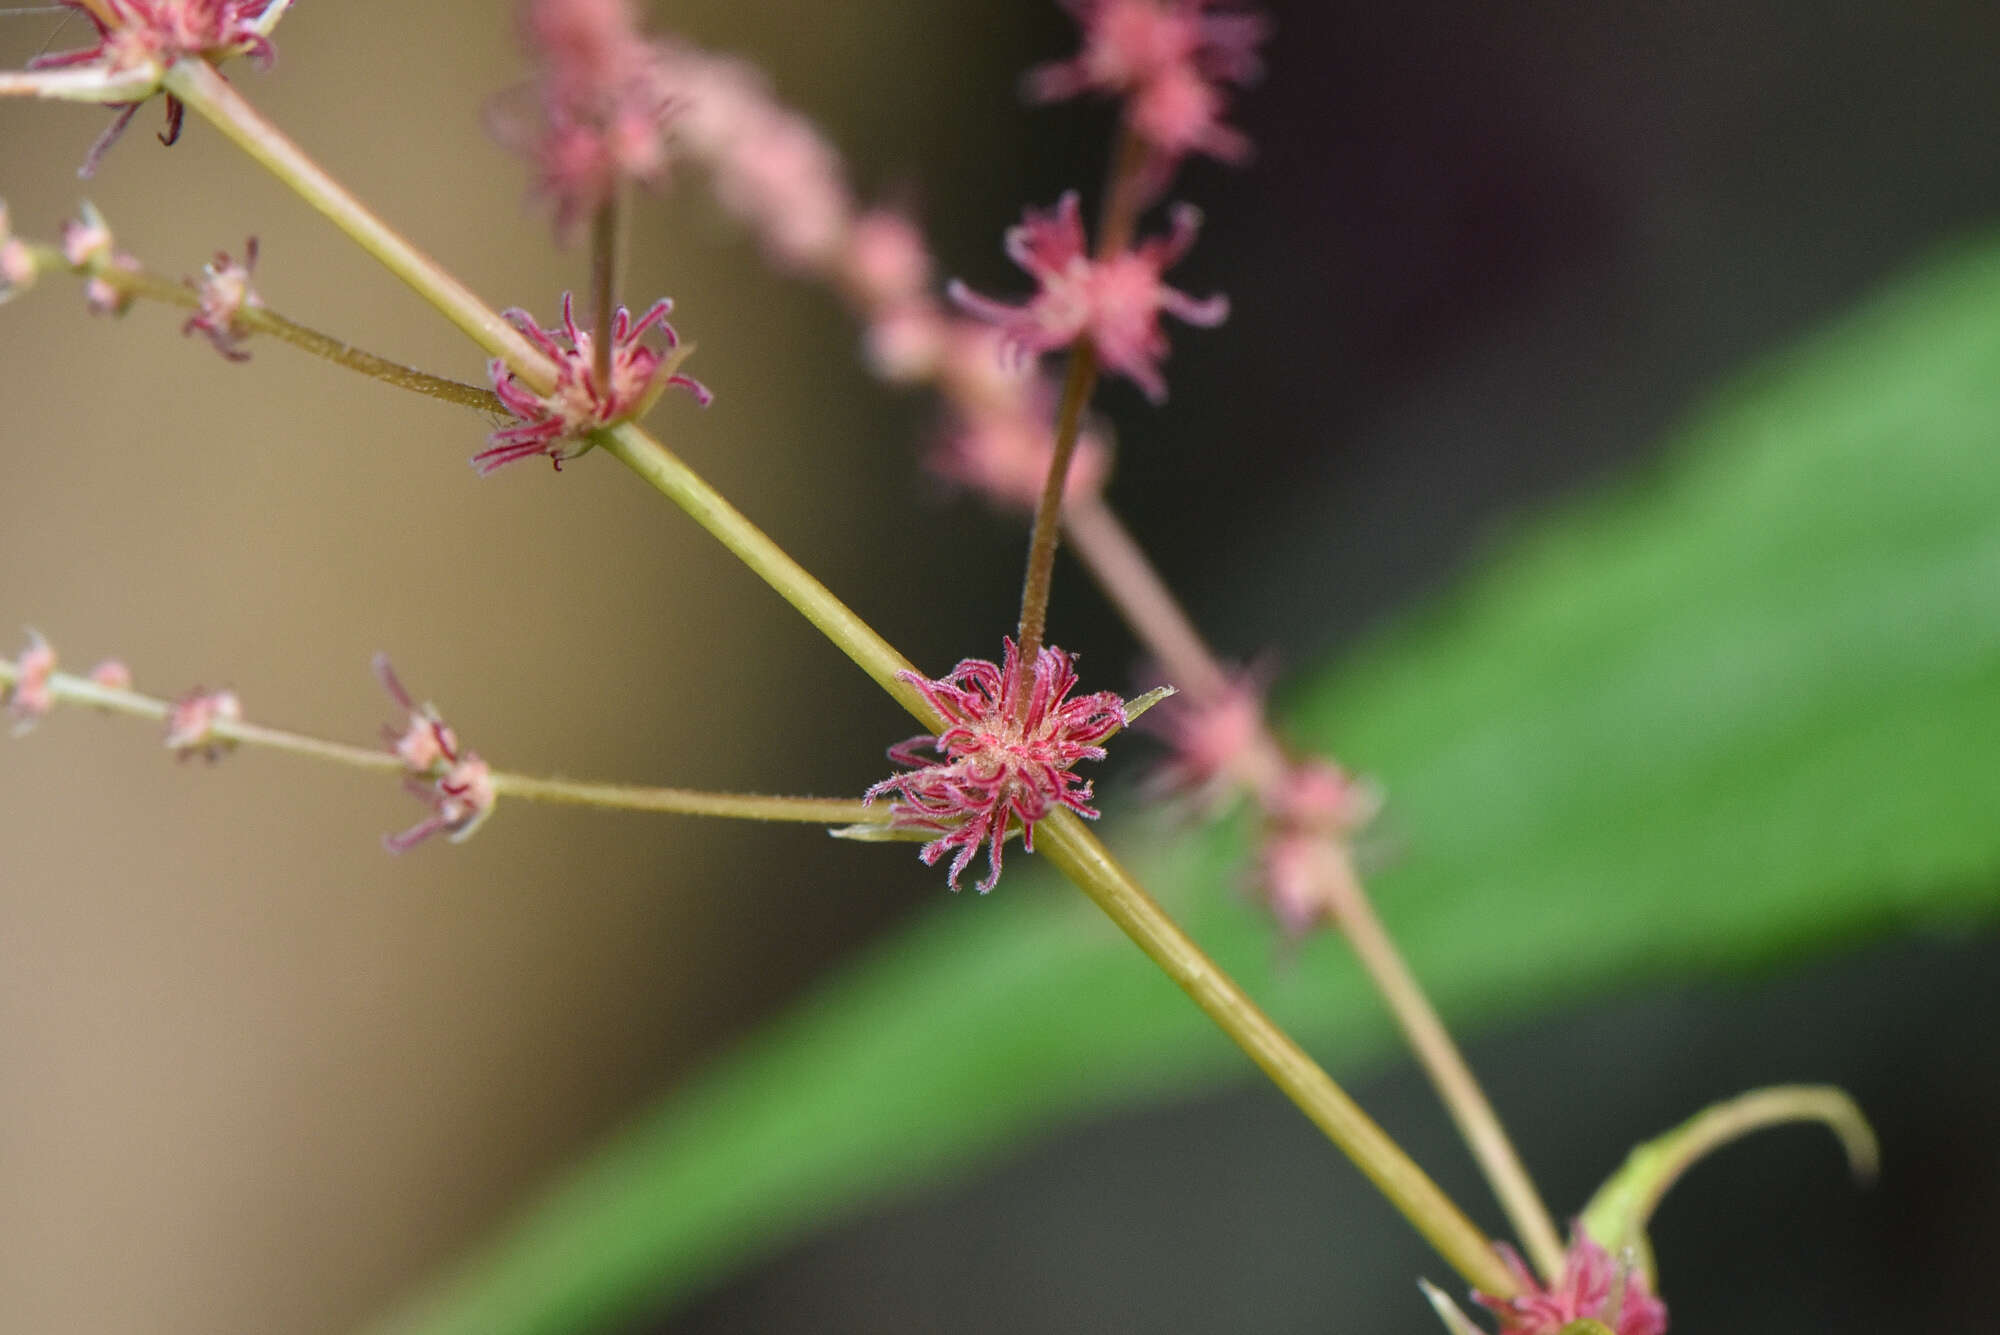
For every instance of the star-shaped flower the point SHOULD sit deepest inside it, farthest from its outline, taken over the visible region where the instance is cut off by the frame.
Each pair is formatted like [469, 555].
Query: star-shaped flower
[1001, 761]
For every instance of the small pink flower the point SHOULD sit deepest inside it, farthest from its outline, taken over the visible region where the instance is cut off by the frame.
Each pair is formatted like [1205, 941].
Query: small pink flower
[1295, 874]
[224, 292]
[1005, 458]
[558, 424]
[1168, 57]
[424, 743]
[88, 246]
[1116, 302]
[461, 797]
[998, 763]
[1319, 797]
[112, 675]
[1584, 1292]
[137, 40]
[192, 723]
[455, 783]
[29, 698]
[1221, 749]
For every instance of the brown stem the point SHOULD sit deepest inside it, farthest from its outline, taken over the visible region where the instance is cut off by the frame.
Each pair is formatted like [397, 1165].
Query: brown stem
[603, 287]
[1048, 512]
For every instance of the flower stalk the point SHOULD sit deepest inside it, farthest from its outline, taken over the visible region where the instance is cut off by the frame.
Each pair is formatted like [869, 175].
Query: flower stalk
[1071, 847]
[66, 688]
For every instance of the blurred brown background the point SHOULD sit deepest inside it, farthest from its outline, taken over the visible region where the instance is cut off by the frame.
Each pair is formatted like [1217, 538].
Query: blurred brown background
[255, 1075]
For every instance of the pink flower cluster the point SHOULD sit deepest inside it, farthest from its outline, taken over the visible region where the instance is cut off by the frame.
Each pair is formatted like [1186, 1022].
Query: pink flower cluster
[455, 783]
[1002, 761]
[222, 295]
[1115, 302]
[195, 724]
[147, 36]
[1224, 752]
[597, 113]
[88, 247]
[1168, 59]
[558, 423]
[31, 690]
[1585, 1291]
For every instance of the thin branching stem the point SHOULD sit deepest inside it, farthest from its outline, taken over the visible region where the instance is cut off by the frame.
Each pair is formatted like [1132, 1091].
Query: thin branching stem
[65, 688]
[1072, 847]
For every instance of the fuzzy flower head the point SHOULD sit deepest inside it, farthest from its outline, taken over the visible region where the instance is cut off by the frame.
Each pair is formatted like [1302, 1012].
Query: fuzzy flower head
[138, 40]
[193, 724]
[1169, 60]
[454, 782]
[1004, 457]
[1001, 760]
[1591, 1286]
[1220, 747]
[88, 246]
[28, 697]
[596, 115]
[1115, 302]
[223, 294]
[558, 424]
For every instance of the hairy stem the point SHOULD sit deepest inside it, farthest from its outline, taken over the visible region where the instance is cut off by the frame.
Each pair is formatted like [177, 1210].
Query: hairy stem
[1120, 216]
[1035, 587]
[208, 93]
[68, 689]
[604, 231]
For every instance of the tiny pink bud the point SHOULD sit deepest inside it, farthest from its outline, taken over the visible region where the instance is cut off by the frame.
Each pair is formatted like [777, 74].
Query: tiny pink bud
[29, 697]
[193, 722]
[224, 292]
[558, 424]
[1220, 746]
[1001, 762]
[86, 238]
[455, 783]
[112, 675]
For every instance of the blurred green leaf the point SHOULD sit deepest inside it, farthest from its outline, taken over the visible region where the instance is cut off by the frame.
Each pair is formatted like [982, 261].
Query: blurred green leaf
[1745, 707]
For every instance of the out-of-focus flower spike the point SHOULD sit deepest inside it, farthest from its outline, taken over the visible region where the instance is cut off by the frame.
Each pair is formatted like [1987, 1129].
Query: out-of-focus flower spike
[1168, 59]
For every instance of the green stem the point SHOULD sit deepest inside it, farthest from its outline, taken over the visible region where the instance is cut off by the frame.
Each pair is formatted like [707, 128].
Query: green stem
[68, 689]
[207, 92]
[1063, 839]
[148, 286]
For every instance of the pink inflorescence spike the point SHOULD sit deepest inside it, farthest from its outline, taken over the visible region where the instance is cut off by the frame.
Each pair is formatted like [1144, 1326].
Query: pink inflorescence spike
[596, 115]
[1000, 761]
[1169, 59]
[454, 782]
[1117, 302]
[558, 424]
[1586, 1290]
